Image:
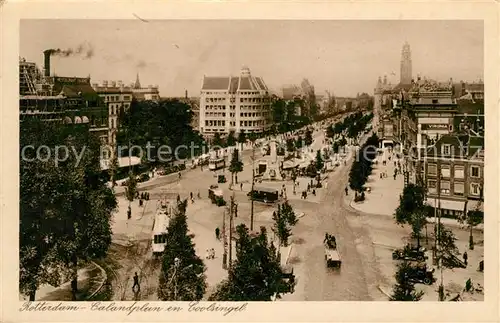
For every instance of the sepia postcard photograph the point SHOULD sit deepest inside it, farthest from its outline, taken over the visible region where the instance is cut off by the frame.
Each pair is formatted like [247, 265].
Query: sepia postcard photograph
[238, 168]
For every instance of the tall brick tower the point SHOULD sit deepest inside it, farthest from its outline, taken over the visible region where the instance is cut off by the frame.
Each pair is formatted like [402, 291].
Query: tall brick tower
[405, 76]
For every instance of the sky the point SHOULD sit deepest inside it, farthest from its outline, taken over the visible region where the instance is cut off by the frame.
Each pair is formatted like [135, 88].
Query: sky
[345, 57]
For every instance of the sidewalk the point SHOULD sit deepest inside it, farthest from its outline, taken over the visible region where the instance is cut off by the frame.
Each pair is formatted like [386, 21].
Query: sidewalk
[383, 198]
[90, 279]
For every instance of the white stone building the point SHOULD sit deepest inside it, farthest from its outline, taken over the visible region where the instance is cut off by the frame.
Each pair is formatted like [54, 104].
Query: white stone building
[234, 103]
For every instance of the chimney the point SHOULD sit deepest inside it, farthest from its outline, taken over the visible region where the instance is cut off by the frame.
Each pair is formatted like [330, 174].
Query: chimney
[47, 62]
[186, 94]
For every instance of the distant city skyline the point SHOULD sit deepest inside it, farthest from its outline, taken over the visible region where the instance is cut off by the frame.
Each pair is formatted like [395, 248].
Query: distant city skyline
[343, 57]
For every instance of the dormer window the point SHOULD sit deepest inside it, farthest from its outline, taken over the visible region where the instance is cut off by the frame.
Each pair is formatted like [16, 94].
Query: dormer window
[446, 150]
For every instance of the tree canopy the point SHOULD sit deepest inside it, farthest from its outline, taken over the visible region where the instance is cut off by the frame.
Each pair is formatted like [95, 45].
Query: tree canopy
[256, 275]
[167, 122]
[404, 289]
[236, 164]
[65, 208]
[411, 200]
[182, 279]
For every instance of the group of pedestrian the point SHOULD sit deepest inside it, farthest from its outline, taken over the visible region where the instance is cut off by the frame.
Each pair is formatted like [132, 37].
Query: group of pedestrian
[210, 253]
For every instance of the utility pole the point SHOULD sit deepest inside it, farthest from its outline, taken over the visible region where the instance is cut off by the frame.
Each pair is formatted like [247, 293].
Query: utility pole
[253, 183]
[231, 211]
[438, 240]
[224, 241]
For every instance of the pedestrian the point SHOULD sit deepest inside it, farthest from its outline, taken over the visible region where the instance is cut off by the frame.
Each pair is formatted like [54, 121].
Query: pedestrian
[217, 233]
[136, 282]
[314, 192]
[199, 196]
[191, 195]
[241, 186]
[179, 175]
[394, 176]
[380, 175]
[140, 202]
[346, 191]
[465, 258]
[129, 213]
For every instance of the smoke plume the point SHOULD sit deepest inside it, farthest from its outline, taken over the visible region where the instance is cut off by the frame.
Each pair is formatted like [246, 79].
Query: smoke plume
[85, 50]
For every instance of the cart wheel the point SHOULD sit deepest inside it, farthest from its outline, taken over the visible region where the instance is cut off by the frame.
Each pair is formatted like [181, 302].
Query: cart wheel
[427, 281]
[420, 258]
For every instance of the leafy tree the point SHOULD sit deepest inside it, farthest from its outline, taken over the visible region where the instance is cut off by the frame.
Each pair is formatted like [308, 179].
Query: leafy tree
[308, 137]
[182, 279]
[284, 219]
[446, 240]
[278, 111]
[236, 165]
[69, 219]
[131, 188]
[411, 200]
[362, 166]
[418, 220]
[231, 140]
[404, 289]
[40, 200]
[242, 137]
[167, 122]
[290, 145]
[319, 161]
[256, 275]
[291, 111]
[217, 141]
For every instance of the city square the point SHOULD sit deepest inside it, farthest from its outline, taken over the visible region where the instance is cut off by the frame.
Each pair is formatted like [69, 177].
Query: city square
[225, 188]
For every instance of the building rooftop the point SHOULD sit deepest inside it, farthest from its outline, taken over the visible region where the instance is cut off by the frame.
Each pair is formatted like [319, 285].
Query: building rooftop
[244, 82]
[464, 146]
[73, 87]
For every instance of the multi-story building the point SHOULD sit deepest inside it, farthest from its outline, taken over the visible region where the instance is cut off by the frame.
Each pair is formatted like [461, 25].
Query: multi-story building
[454, 174]
[239, 104]
[69, 100]
[117, 98]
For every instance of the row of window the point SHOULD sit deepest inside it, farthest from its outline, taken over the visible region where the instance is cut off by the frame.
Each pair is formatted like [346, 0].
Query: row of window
[458, 188]
[222, 123]
[116, 98]
[233, 107]
[474, 171]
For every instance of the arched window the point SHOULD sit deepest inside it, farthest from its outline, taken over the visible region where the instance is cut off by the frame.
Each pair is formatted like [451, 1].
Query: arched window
[78, 120]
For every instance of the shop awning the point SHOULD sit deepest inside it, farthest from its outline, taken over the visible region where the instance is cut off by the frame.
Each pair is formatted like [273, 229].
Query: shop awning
[447, 204]
[122, 162]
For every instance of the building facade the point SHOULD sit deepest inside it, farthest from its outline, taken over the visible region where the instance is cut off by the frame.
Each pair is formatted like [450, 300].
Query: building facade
[68, 100]
[239, 104]
[454, 174]
[117, 98]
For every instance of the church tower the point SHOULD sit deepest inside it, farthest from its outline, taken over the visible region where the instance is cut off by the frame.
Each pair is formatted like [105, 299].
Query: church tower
[405, 76]
[137, 84]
